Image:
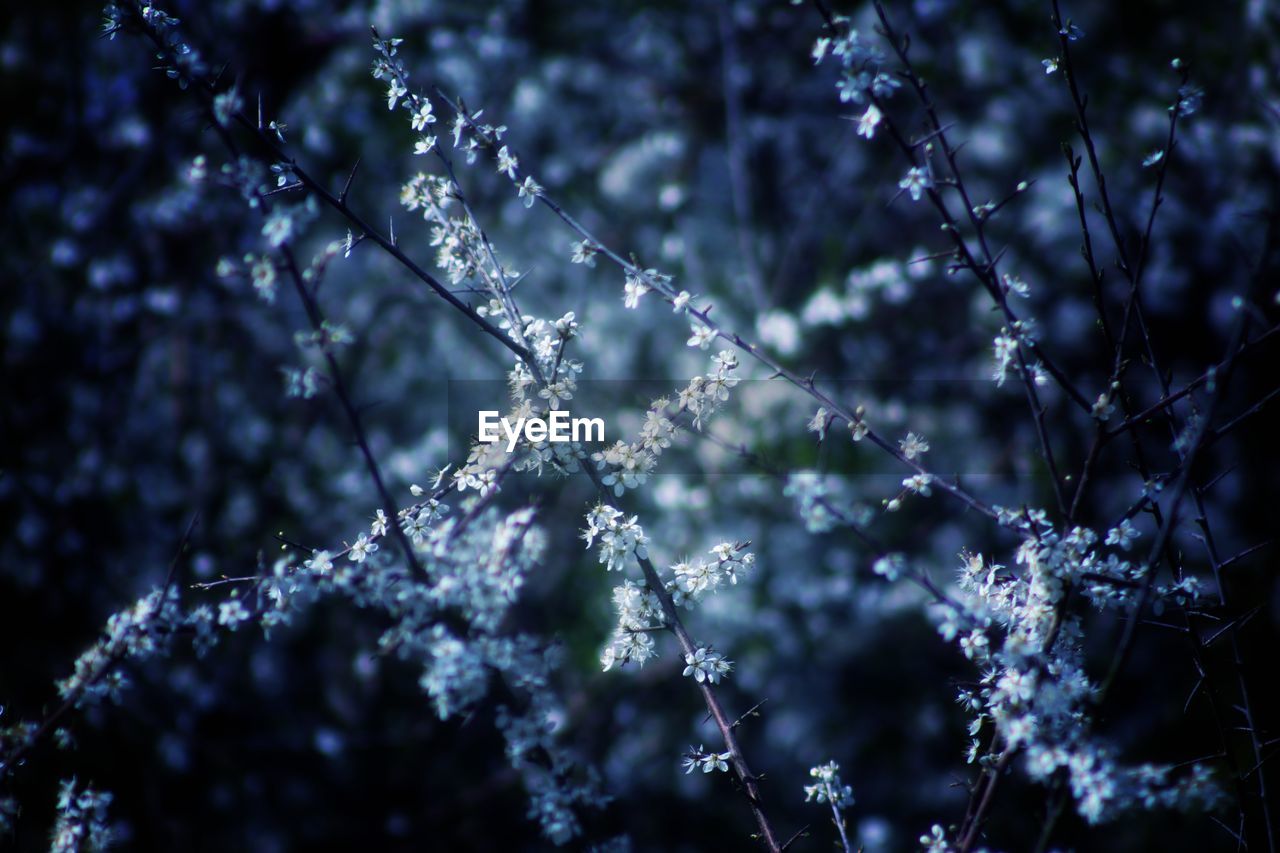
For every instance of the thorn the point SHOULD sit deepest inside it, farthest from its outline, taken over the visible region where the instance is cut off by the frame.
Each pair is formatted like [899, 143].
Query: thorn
[1186, 706]
[346, 188]
[750, 712]
[1238, 622]
[802, 833]
[286, 188]
[1229, 830]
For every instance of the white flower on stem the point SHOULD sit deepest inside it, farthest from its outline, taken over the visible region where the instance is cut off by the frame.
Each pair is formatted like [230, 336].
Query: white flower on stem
[545, 347]
[706, 665]
[731, 559]
[681, 301]
[424, 145]
[724, 551]
[231, 613]
[820, 48]
[868, 122]
[507, 162]
[1072, 32]
[1124, 535]
[1005, 348]
[635, 288]
[1103, 407]
[321, 562]
[918, 483]
[554, 392]
[379, 527]
[702, 336]
[820, 421]
[1017, 686]
[278, 227]
[694, 578]
[460, 124]
[853, 87]
[974, 645]
[417, 526]
[633, 465]
[917, 180]
[913, 445]
[361, 550]
[529, 191]
[423, 116]
[263, 274]
[584, 253]
[395, 91]
[1015, 285]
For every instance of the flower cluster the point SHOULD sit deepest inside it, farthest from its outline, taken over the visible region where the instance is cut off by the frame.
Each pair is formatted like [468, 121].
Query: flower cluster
[1034, 691]
[639, 614]
[82, 820]
[697, 758]
[627, 465]
[828, 788]
[639, 609]
[1006, 345]
[692, 579]
[475, 562]
[620, 537]
[468, 134]
[140, 632]
[862, 75]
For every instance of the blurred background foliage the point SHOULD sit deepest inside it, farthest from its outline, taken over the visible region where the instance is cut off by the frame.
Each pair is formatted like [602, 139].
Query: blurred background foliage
[140, 388]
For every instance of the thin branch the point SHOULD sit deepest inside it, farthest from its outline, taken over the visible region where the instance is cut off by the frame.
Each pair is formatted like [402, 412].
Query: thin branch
[14, 758]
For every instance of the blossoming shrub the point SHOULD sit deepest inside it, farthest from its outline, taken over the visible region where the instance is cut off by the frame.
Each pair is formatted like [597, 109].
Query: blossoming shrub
[951, 527]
